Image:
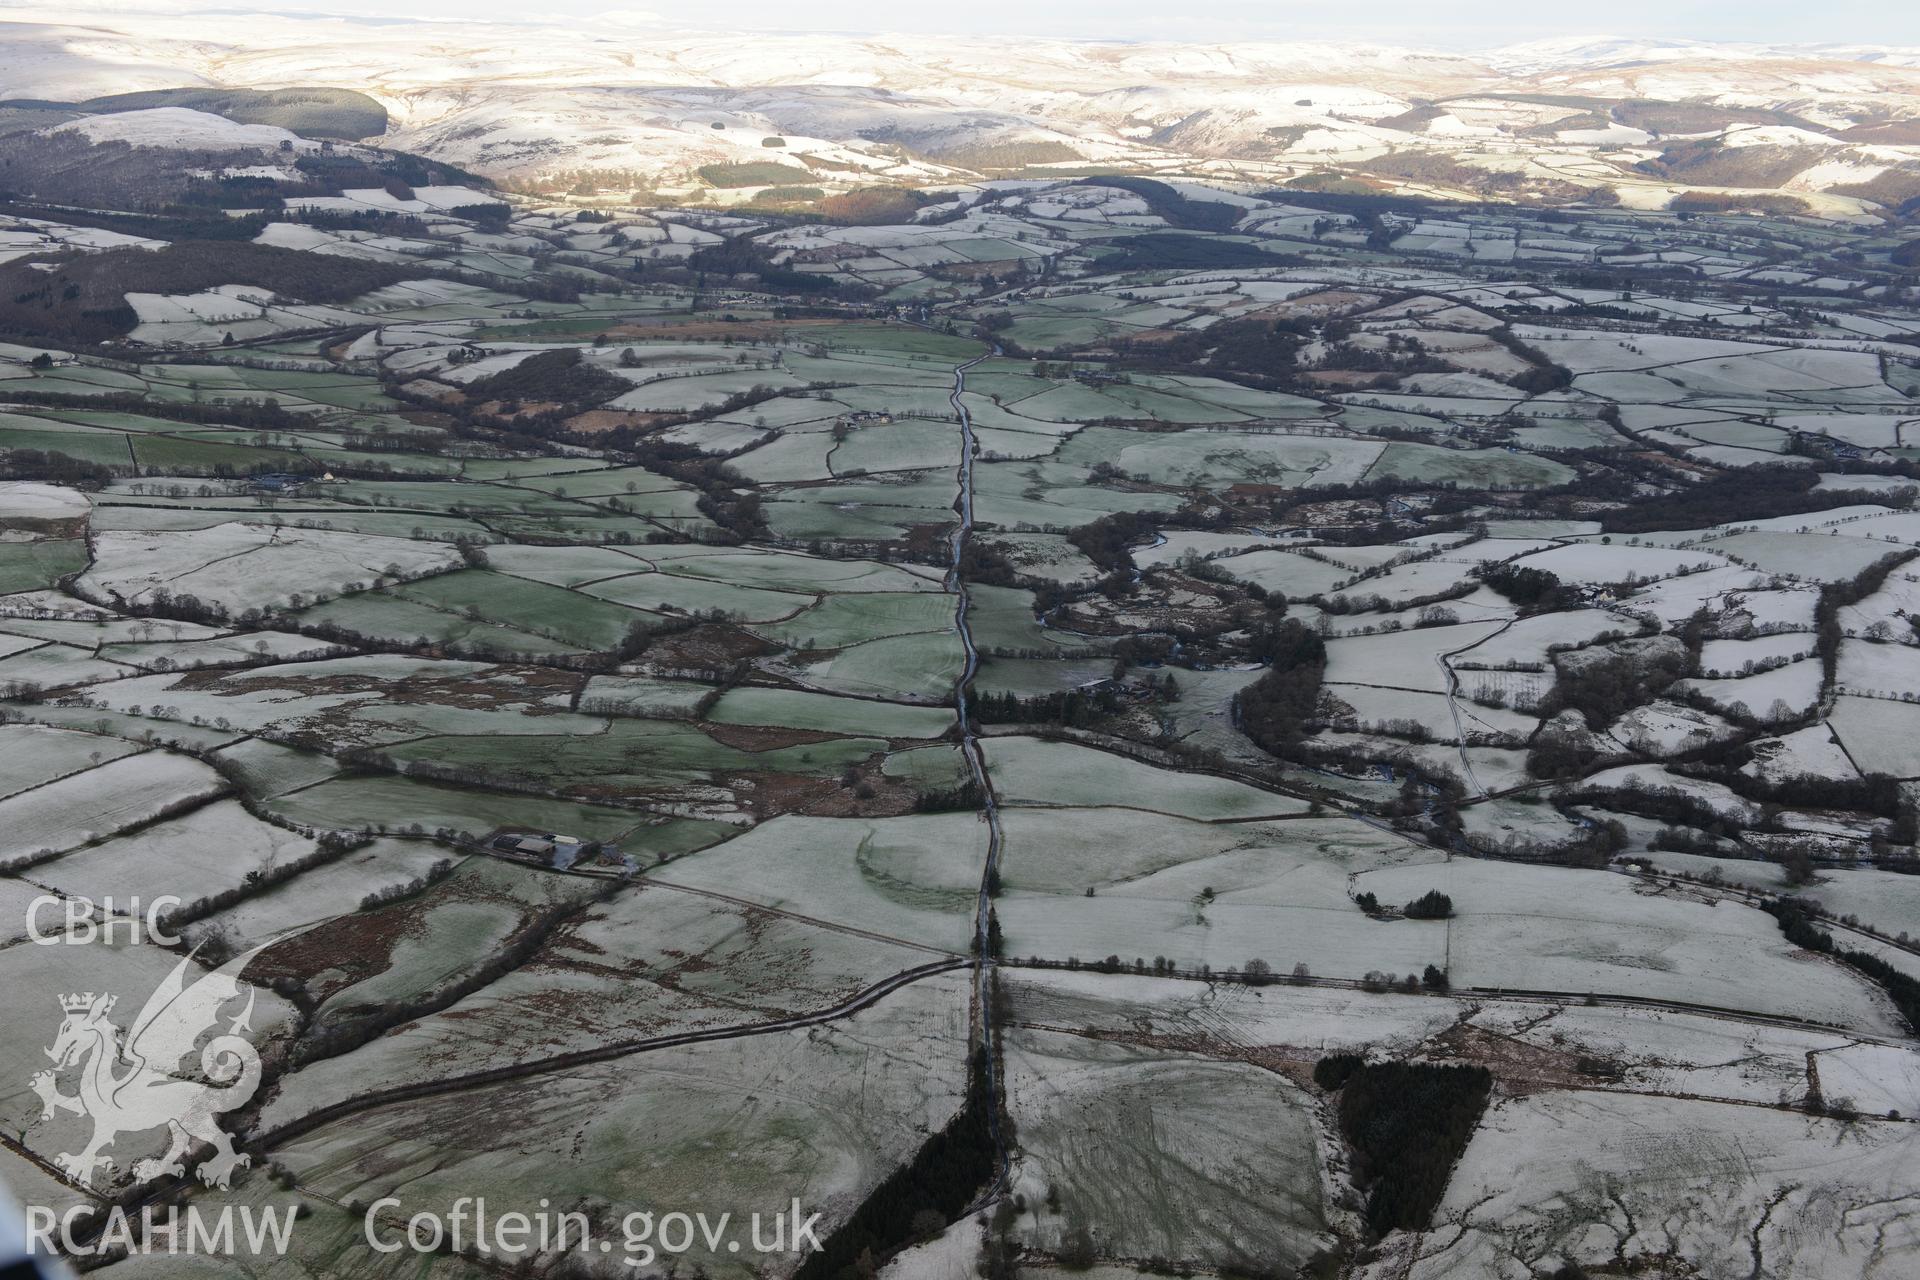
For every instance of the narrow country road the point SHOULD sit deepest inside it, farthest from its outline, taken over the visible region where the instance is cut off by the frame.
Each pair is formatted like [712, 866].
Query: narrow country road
[956, 584]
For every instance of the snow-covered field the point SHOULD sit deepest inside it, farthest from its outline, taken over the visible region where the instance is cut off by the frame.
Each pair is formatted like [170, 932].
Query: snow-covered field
[1591, 1177]
[244, 566]
[23, 499]
[92, 804]
[185, 129]
[803, 740]
[1028, 771]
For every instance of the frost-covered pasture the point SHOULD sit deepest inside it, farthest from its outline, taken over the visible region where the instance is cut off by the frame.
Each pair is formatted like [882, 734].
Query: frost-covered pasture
[687, 615]
[912, 878]
[1886, 903]
[206, 851]
[1404, 659]
[916, 667]
[1588, 931]
[1590, 1177]
[329, 891]
[344, 701]
[1530, 641]
[1101, 1118]
[1203, 457]
[653, 1120]
[1404, 584]
[1879, 734]
[93, 803]
[205, 318]
[1822, 558]
[1278, 893]
[687, 961]
[1877, 670]
[23, 237]
[1279, 570]
[1589, 562]
[238, 567]
[1387, 710]
[32, 755]
[1664, 728]
[1028, 771]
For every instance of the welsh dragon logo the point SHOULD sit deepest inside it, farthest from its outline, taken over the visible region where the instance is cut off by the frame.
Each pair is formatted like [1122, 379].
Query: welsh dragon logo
[131, 1082]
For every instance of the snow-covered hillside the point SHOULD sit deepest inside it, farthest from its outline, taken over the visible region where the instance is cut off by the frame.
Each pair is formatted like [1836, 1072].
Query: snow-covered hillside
[182, 127]
[646, 105]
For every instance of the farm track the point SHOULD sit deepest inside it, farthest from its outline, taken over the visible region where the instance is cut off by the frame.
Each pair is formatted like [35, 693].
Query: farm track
[1453, 704]
[601, 1053]
[815, 921]
[261, 1143]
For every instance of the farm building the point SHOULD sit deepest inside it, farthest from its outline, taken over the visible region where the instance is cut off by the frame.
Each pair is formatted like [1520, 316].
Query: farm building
[277, 482]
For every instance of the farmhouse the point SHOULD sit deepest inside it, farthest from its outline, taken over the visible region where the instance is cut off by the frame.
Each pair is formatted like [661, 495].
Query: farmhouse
[552, 848]
[277, 482]
[524, 846]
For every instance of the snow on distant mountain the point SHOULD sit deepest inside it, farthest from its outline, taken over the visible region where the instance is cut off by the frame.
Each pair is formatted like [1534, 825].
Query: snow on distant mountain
[72, 63]
[1577, 52]
[697, 110]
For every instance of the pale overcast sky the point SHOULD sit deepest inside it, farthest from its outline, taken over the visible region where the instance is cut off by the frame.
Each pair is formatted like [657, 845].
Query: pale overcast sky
[1454, 24]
